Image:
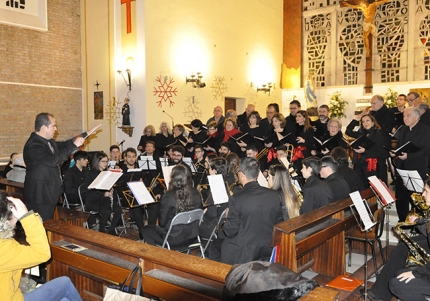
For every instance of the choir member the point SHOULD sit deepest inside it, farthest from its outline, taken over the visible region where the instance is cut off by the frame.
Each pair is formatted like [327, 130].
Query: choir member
[148, 134]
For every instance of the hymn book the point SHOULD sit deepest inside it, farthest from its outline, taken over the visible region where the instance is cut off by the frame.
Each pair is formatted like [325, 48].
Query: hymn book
[363, 142]
[105, 180]
[408, 147]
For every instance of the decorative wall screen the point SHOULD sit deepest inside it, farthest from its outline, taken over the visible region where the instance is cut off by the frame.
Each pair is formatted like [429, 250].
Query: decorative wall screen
[400, 52]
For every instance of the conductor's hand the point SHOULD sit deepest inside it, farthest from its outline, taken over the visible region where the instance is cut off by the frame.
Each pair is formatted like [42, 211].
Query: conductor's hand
[78, 141]
[18, 209]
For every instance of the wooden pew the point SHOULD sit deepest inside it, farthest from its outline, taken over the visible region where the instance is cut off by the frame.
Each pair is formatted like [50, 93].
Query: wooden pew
[14, 189]
[317, 239]
[167, 274]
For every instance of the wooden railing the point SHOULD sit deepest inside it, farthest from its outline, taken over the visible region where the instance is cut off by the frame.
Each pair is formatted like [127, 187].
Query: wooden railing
[317, 239]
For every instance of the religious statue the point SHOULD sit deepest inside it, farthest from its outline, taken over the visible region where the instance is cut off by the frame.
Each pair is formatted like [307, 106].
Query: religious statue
[311, 98]
[126, 112]
[369, 11]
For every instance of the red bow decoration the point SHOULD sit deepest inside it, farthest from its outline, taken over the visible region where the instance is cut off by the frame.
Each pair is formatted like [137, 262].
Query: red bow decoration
[298, 153]
[271, 154]
[371, 164]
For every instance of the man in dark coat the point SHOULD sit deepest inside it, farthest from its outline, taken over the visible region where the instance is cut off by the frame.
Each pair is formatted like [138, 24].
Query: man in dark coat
[338, 185]
[43, 157]
[316, 193]
[251, 216]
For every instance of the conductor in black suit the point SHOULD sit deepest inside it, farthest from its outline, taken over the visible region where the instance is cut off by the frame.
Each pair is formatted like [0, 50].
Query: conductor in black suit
[252, 214]
[43, 157]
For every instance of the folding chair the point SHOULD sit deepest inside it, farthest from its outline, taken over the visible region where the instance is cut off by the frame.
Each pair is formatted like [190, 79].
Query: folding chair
[80, 188]
[214, 233]
[191, 220]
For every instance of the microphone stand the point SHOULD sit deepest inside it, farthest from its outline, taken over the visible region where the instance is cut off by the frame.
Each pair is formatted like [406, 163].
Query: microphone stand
[173, 123]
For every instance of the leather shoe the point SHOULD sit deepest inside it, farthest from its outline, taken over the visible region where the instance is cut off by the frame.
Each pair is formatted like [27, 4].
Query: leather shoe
[370, 294]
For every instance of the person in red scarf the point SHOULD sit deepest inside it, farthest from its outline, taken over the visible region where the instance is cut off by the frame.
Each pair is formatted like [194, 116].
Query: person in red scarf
[367, 160]
[230, 130]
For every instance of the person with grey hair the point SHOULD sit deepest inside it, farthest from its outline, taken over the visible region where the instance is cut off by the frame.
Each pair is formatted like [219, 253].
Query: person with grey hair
[413, 98]
[17, 174]
[339, 187]
[252, 213]
[333, 138]
[418, 134]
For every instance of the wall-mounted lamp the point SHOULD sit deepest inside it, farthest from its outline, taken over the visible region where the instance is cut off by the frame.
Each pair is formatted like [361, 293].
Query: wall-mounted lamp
[265, 88]
[197, 81]
[128, 76]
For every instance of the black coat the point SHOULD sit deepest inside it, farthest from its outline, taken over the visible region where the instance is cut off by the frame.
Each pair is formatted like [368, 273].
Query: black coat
[248, 228]
[316, 194]
[339, 187]
[73, 178]
[387, 121]
[42, 184]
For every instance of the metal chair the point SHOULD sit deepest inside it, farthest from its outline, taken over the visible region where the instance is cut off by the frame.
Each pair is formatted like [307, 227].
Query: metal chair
[214, 233]
[83, 206]
[192, 220]
[373, 236]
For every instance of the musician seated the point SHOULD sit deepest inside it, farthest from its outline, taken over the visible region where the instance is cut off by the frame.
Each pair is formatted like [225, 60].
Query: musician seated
[316, 193]
[181, 197]
[279, 179]
[339, 187]
[383, 288]
[75, 176]
[101, 201]
[414, 283]
[252, 214]
[114, 153]
[199, 163]
[340, 155]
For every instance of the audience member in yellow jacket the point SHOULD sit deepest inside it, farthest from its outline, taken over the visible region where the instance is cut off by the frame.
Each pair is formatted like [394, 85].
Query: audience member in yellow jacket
[14, 257]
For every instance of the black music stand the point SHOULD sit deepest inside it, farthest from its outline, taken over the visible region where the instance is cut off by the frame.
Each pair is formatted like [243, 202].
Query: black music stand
[147, 163]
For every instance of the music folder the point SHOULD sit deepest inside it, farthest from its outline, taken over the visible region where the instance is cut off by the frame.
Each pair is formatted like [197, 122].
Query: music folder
[385, 195]
[240, 138]
[362, 141]
[284, 139]
[106, 179]
[329, 143]
[408, 147]
[344, 282]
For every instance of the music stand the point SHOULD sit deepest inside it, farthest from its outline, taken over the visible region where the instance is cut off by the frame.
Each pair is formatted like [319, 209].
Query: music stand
[366, 222]
[147, 163]
[189, 162]
[412, 180]
[164, 161]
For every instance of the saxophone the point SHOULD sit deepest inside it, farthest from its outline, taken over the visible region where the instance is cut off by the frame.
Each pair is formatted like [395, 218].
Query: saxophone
[417, 255]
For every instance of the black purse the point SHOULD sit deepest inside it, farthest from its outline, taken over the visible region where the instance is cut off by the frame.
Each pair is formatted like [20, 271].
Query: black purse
[124, 292]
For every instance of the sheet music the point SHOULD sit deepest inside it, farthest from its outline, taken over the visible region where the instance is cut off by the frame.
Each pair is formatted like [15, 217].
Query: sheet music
[262, 180]
[140, 192]
[105, 180]
[382, 190]
[189, 162]
[362, 210]
[134, 169]
[412, 180]
[147, 163]
[218, 190]
[167, 170]
[164, 161]
[111, 164]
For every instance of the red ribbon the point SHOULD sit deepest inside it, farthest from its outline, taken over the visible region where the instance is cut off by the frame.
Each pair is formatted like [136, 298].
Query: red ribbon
[271, 154]
[371, 164]
[298, 153]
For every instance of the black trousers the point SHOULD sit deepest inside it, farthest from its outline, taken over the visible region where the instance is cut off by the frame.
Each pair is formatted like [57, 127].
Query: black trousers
[403, 197]
[396, 261]
[415, 290]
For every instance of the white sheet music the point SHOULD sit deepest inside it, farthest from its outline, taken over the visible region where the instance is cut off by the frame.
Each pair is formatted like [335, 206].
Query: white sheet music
[382, 190]
[147, 163]
[362, 210]
[105, 180]
[218, 190]
[111, 164]
[412, 180]
[167, 170]
[262, 180]
[164, 161]
[140, 192]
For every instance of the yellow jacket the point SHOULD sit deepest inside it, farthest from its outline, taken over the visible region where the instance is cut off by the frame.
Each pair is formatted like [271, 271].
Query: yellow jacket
[14, 257]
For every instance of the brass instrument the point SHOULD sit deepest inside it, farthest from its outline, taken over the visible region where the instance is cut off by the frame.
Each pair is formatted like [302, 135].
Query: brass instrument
[230, 188]
[299, 194]
[290, 152]
[261, 154]
[417, 255]
[203, 186]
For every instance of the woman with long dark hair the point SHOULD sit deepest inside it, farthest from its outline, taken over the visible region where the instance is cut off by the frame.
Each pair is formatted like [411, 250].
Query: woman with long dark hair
[102, 201]
[304, 140]
[181, 197]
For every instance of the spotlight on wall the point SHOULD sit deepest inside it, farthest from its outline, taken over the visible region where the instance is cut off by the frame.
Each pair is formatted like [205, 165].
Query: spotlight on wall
[197, 81]
[128, 83]
[265, 88]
